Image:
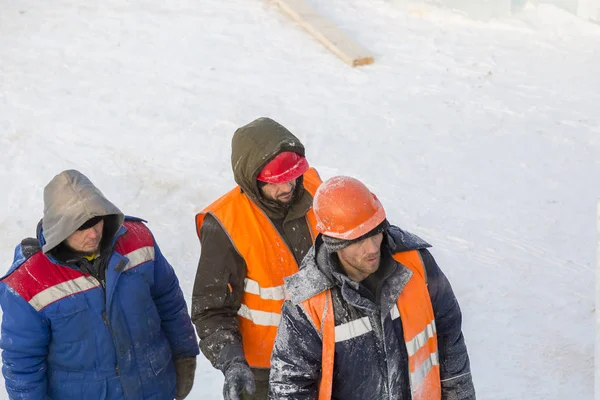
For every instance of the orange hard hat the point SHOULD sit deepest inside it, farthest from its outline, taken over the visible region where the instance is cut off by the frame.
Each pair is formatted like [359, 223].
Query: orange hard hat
[346, 209]
[284, 167]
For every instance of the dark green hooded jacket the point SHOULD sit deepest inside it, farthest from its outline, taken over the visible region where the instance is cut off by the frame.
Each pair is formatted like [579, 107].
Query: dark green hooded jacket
[214, 306]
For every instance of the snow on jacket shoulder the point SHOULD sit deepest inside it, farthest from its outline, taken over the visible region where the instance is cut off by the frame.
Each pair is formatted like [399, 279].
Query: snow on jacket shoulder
[373, 362]
[66, 337]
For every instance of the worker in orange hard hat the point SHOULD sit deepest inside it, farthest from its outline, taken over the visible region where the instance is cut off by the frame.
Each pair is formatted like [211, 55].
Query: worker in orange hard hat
[252, 238]
[370, 315]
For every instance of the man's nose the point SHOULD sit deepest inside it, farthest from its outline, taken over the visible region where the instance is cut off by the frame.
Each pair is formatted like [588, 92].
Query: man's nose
[287, 186]
[95, 231]
[371, 245]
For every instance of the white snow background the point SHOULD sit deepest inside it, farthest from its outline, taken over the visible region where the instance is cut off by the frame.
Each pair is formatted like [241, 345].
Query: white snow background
[481, 137]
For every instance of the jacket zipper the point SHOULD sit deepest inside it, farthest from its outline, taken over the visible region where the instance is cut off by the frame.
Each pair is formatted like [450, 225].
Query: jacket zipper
[107, 323]
[379, 330]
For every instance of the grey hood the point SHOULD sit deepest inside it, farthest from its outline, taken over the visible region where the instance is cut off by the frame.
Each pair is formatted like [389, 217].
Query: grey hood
[70, 199]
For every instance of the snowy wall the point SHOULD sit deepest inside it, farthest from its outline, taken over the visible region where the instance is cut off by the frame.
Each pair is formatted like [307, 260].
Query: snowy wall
[485, 9]
[589, 9]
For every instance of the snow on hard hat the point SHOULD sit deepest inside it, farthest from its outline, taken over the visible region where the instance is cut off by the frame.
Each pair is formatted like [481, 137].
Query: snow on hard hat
[285, 167]
[346, 209]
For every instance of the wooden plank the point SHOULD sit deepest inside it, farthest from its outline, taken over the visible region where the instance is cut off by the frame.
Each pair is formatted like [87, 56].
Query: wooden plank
[326, 32]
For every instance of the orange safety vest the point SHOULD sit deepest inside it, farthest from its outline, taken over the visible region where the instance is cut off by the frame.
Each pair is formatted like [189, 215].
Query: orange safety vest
[268, 261]
[414, 308]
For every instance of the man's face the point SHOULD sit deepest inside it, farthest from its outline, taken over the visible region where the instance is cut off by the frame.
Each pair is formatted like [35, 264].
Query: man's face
[87, 241]
[361, 259]
[282, 193]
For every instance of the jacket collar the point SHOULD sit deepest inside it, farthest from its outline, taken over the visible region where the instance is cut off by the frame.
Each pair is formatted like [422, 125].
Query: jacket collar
[319, 271]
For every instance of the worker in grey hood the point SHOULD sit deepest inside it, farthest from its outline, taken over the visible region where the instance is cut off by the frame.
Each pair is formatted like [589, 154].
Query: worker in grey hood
[71, 201]
[91, 307]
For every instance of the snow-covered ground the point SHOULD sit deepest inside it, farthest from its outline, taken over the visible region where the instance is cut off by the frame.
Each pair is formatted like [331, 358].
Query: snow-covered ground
[483, 138]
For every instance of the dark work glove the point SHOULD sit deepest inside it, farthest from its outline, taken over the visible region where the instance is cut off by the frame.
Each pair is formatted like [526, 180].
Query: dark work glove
[238, 376]
[185, 369]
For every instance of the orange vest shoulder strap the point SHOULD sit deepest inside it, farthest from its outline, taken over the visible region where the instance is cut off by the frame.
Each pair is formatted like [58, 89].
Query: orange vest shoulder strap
[319, 309]
[312, 180]
[412, 260]
[418, 320]
[311, 183]
[217, 204]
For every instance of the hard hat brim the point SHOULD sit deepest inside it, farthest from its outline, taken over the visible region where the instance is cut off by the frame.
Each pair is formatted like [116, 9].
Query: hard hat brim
[361, 229]
[296, 171]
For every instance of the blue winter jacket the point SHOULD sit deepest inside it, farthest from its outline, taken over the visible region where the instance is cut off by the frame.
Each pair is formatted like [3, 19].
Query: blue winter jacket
[66, 336]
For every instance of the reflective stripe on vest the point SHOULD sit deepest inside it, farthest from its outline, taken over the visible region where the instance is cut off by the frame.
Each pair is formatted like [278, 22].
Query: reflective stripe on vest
[352, 329]
[414, 309]
[272, 293]
[418, 323]
[320, 310]
[268, 261]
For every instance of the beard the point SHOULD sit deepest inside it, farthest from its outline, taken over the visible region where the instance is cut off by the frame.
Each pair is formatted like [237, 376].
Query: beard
[287, 203]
